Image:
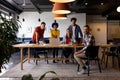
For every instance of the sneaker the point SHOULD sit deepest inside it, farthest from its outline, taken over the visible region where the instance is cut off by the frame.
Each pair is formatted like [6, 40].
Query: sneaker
[83, 71]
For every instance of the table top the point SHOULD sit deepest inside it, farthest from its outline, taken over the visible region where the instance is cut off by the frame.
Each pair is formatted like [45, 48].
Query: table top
[23, 45]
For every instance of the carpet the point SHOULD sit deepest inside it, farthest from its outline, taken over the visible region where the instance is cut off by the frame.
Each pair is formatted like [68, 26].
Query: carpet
[63, 70]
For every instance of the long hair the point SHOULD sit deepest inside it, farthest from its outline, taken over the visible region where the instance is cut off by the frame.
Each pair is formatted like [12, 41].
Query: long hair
[70, 35]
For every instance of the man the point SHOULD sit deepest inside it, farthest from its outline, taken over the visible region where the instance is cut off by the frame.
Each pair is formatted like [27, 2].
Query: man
[39, 33]
[75, 31]
[88, 40]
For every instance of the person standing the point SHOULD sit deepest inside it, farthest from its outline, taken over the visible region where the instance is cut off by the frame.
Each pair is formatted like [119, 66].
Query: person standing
[76, 31]
[88, 40]
[55, 33]
[39, 33]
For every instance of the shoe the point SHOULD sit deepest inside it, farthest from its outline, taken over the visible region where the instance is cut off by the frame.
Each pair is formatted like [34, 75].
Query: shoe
[66, 61]
[81, 72]
[54, 61]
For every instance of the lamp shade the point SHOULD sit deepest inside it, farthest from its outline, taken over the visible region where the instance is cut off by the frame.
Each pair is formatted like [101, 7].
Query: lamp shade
[118, 9]
[62, 1]
[61, 8]
[60, 16]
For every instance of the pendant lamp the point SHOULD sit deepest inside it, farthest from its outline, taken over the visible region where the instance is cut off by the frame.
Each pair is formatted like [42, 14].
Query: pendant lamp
[62, 1]
[118, 9]
[61, 8]
[60, 16]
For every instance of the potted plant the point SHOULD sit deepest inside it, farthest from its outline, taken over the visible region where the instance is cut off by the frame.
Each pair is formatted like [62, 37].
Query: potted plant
[29, 76]
[8, 30]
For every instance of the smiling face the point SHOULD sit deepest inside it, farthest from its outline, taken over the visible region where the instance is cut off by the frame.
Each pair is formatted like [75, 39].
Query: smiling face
[42, 26]
[73, 22]
[86, 30]
[55, 27]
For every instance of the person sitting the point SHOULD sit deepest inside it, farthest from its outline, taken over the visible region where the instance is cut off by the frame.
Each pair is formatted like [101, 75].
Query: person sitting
[67, 39]
[88, 40]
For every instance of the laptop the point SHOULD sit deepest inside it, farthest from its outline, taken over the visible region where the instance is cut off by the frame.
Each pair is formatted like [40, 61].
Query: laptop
[54, 41]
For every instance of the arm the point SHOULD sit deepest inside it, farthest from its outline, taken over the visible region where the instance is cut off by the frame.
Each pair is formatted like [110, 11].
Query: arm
[37, 42]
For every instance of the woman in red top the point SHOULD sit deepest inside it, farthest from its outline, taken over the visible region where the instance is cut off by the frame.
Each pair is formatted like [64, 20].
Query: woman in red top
[67, 39]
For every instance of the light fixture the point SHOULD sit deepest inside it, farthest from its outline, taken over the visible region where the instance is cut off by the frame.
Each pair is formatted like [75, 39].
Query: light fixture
[61, 8]
[62, 1]
[118, 9]
[60, 16]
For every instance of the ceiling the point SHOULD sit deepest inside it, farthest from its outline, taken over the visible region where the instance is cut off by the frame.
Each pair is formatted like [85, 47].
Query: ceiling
[90, 7]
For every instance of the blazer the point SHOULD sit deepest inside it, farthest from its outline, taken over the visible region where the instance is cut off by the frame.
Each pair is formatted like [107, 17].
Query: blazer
[78, 32]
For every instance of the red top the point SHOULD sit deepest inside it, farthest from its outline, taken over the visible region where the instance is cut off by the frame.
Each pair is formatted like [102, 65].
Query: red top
[40, 33]
[68, 41]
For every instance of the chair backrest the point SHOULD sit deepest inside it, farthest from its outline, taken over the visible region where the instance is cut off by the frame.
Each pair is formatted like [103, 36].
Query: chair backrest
[92, 51]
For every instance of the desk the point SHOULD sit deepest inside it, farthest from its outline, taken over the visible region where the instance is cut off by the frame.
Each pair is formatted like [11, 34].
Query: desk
[28, 46]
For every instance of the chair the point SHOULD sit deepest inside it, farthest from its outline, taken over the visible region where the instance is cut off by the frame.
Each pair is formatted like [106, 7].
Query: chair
[38, 51]
[91, 54]
[114, 52]
[41, 51]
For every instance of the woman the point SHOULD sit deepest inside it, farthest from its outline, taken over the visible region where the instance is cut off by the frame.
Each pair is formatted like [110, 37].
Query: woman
[55, 33]
[67, 39]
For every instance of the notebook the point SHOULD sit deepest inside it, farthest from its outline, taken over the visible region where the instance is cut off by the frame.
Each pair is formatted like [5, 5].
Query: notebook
[54, 41]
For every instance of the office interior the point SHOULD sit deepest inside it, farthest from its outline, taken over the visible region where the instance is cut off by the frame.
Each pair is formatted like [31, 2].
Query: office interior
[101, 15]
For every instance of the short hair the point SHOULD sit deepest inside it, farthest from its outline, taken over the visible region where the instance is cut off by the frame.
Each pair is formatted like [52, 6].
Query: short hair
[55, 24]
[75, 19]
[87, 26]
[43, 23]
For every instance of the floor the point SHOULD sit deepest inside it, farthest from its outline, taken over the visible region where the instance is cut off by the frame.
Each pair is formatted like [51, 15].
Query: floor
[15, 59]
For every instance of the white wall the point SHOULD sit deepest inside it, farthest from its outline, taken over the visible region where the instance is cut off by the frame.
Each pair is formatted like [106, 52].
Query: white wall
[31, 21]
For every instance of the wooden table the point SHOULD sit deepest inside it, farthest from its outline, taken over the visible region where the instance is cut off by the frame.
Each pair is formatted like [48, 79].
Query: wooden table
[29, 46]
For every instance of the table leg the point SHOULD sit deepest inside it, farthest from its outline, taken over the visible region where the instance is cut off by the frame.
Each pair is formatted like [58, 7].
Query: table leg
[21, 58]
[28, 55]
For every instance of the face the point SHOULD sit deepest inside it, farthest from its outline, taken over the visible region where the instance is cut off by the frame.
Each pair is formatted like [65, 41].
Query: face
[85, 30]
[42, 26]
[67, 31]
[73, 22]
[55, 27]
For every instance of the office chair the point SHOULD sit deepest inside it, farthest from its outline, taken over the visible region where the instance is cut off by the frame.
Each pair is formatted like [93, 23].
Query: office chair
[91, 54]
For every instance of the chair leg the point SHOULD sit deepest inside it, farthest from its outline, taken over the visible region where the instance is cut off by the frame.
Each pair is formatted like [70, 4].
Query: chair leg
[88, 66]
[102, 59]
[107, 61]
[99, 65]
[78, 67]
[112, 61]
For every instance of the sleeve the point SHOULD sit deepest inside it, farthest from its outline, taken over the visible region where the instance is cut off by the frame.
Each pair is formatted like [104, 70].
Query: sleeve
[80, 31]
[51, 33]
[58, 35]
[87, 43]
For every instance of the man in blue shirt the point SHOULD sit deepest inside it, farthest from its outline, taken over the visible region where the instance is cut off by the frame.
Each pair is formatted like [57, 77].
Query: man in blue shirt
[76, 31]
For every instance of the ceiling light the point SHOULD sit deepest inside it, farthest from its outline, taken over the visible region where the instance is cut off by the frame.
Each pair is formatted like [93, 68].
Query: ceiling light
[60, 16]
[62, 1]
[118, 9]
[102, 3]
[61, 8]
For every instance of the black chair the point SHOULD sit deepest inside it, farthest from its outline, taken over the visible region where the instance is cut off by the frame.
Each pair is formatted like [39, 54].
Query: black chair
[91, 54]
[113, 52]
[41, 51]
[38, 51]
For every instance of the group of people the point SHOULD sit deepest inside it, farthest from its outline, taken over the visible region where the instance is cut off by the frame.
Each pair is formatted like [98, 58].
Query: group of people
[73, 35]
